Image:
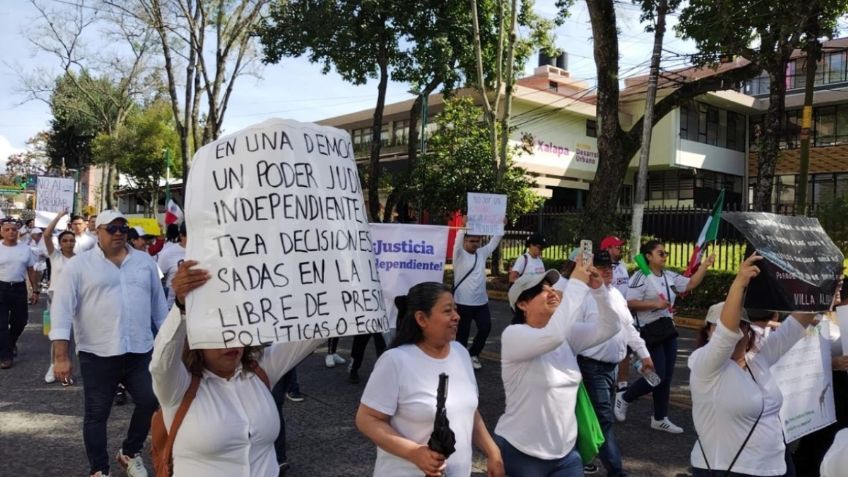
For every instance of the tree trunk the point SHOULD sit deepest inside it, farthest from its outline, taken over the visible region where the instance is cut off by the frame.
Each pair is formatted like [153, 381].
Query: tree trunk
[813, 52]
[770, 145]
[376, 140]
[602, 202]
[647, 129]
[107, 190]
[509, 82]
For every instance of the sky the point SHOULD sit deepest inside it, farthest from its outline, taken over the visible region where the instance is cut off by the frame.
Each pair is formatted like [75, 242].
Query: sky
[294, 88]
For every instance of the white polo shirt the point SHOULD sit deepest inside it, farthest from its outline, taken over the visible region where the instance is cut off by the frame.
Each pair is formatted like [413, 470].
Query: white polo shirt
[14, 262]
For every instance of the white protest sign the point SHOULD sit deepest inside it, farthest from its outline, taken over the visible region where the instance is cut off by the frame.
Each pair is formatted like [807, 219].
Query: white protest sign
[486, 213]
[43, 219]
[804, 378]
[275, 214]
[842, 321]
[54, 194]
[408, 254]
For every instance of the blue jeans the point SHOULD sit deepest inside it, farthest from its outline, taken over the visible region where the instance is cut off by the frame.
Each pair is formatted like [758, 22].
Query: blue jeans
[664, 355]
[519, 464]
[599, 379]
[478, 314]
[100, 378]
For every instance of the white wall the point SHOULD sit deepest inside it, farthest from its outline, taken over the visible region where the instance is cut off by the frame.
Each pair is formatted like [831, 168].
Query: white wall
[711, 158]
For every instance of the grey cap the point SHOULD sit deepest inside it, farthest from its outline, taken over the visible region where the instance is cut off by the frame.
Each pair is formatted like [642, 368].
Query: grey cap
[714, 313]
[526, 282]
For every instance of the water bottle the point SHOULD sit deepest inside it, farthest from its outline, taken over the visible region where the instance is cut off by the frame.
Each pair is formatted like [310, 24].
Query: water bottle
[649, 374]
[45, 322]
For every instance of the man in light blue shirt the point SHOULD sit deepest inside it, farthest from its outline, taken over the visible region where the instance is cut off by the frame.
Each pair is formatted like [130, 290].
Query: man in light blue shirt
[114, 299]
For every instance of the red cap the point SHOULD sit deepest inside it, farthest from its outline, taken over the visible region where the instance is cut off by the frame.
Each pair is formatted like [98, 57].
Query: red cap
[611, 241]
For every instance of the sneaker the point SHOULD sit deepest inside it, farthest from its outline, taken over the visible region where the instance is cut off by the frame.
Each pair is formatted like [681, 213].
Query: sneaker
[120, 396]
[48, 376]
[338, 359]
[590, 469]
[665, 425]
[284, 467]
[99, 474]
[329, 361]
[475, 362]
[6, 364]
[621, 386]
[295, 396]
[353, 376]
[134, 466]
[620, 409]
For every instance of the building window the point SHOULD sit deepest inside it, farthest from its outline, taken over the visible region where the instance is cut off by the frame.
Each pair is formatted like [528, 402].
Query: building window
[553, 86]
[591, 128]
[825, 126]
[836, 67]
[735, 131]
[401, 133]
[708, 124]
[361, 138]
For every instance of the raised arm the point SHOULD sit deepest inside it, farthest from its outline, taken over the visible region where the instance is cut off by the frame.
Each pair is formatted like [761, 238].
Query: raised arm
[490, 247]
[457, 243]
[699, 274]
[582, 336]
[170, 376]
[48, 232]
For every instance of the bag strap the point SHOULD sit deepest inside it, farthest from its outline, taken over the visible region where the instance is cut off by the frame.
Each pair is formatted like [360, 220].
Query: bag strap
[525, 265]
[747, 438]
[189, 396]
[467, 274]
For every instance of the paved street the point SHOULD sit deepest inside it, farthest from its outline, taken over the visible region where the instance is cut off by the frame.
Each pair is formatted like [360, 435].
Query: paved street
[40, 424]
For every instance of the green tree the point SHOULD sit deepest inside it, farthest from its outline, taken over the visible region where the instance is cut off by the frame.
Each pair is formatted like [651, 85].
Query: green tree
[359, 38]
[459, 160]
[764, 33]
[138, 150]
[616, 145]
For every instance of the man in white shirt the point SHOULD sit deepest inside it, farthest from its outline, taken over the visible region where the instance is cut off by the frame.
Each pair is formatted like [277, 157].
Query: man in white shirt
[84, 239]
[113, 297]
[169, 260]
[469, 290]
[620, 280]
[597, 364]
[530, 262]
[16, 265]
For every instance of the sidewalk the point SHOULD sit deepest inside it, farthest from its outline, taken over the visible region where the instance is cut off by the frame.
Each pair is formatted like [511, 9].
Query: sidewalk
[40, 424]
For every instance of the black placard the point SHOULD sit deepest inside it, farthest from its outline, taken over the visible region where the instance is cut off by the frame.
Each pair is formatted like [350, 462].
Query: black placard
[801, 265]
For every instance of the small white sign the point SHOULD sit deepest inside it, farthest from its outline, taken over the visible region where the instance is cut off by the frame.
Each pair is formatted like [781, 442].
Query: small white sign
[486, 213]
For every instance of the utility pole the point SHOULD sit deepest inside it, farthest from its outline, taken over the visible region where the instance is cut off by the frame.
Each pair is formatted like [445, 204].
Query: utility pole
[647, 129]
[812, 57]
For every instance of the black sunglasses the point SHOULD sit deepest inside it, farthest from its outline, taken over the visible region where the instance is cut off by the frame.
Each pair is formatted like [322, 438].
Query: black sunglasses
[112, 229]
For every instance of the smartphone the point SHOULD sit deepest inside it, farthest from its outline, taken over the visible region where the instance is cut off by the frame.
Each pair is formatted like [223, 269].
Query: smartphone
[586, 251]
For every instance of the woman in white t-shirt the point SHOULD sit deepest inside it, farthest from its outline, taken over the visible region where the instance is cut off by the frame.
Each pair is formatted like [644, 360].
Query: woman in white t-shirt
[398, 406]
[735, 399]
[652, 297]
[58, 258]
[530, 262]
[538, 431]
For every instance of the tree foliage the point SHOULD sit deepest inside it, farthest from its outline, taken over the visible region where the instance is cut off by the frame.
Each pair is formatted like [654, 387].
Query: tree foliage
[138, 148]
[458, 160]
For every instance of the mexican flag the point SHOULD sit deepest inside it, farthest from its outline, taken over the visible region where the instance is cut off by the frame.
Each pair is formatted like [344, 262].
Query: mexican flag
[708, 234]
[173, 213]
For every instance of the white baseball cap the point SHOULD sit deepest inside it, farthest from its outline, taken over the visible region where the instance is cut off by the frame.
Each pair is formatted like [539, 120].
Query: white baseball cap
[106, 217]
[714, 313]
[36, 230]
[526, 282]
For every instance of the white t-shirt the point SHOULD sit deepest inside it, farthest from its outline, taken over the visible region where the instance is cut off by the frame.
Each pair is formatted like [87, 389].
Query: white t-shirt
[527, 265]
[835, 462]
[169, 260]
[84, 242]
[541, 376]
[40, 251]
[57, 263]
[14, 262]
[726, 402]
[403, 385]
[646, 288]
[471, 290]
[620, 278]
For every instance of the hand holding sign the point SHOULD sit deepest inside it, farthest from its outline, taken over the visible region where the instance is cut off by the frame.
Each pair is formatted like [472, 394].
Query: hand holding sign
[187, 279]
[748, 270]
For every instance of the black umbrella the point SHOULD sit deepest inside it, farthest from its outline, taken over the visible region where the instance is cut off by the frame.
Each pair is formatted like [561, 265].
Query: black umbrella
[442, 440]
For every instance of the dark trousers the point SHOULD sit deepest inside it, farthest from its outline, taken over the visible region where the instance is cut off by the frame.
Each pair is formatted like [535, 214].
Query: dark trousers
[599, 379]
[332, 345]
[664, 355]
[360, 342]
[480, 315]
[100, 376]
[288, 383]
[13, 316]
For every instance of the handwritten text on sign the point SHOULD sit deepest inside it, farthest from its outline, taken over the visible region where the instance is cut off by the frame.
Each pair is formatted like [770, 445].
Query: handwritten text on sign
[54, 194]
[275, 213]
[486, 213]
